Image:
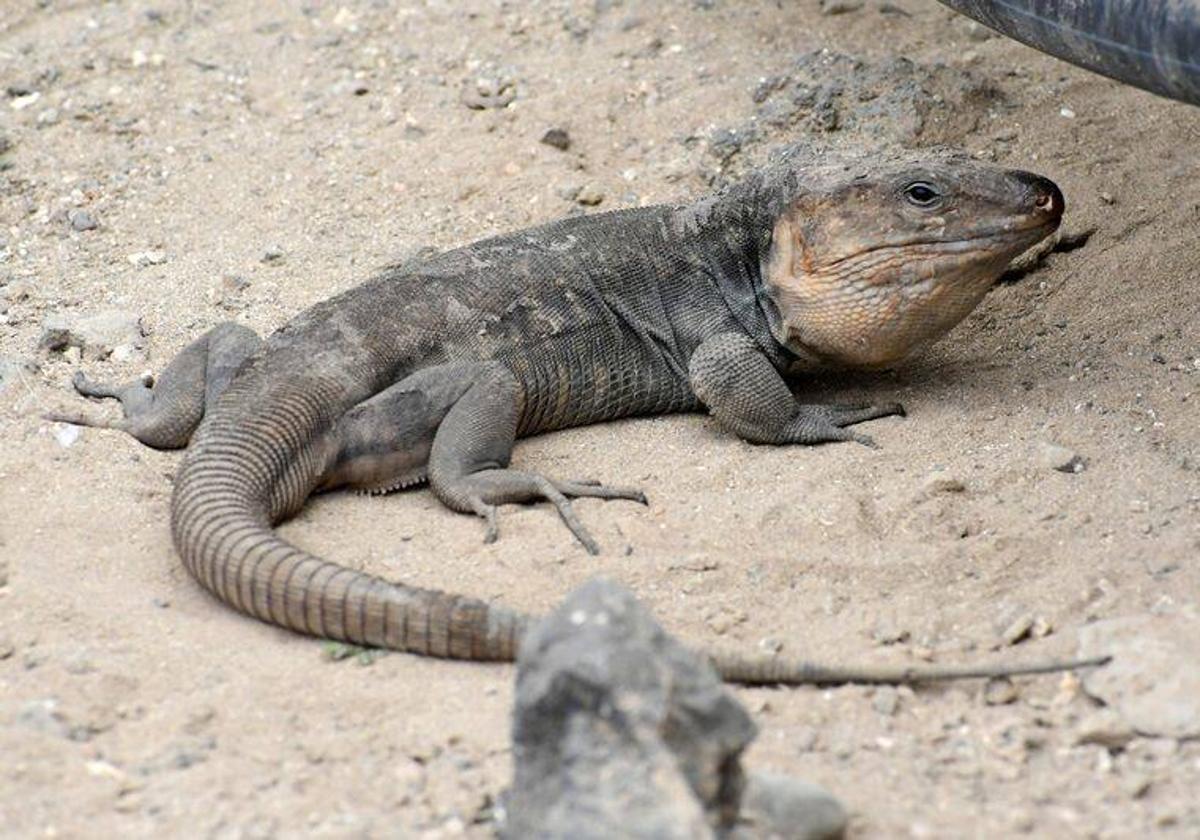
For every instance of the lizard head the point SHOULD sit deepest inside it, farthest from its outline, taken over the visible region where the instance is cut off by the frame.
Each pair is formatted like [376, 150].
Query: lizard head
[865, 268]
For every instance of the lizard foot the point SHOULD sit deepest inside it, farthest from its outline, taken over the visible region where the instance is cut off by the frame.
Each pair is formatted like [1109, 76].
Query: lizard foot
[827, 423]
[481, 492]
[96, 390]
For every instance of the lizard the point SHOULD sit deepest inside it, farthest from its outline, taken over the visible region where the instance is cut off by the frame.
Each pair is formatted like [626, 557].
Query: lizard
[431, 370]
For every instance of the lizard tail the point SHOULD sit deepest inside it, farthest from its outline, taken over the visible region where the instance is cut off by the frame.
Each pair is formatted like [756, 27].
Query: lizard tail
[760, 670]
[239, 477]
[242, 474]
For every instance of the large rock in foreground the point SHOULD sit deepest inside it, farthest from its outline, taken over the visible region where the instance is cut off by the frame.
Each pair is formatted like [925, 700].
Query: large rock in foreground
[621, 732]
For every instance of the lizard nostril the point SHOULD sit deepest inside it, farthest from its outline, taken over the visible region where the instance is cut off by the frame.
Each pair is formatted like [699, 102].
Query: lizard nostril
[1045, 201]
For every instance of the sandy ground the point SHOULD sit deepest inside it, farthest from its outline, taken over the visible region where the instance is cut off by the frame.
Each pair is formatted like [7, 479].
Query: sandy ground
[267, 155]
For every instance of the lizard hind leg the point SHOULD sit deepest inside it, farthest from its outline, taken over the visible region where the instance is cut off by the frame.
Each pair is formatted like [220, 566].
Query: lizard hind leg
[468, 466]
[382, 444]
[164, 413]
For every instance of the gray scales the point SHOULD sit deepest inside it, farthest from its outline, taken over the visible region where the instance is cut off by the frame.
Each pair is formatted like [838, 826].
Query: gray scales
[432, 369]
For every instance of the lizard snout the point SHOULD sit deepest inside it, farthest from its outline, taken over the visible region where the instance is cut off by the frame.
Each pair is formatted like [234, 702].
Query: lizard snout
[1042, 197]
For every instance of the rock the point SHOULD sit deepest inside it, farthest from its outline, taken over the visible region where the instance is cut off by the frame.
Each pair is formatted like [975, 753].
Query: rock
[82, 220]
[589, 195]
[887, 631]
[18, 292]
[786, 808]
[14, 370]
[978, 32]
[770, 644]
[1018, 629]
[999, 691]
[66, 434]
[145, 259]
[1152, 681]
[1051, 456]
[840, 7]
[619, 730]
[557, 138]
[885, 700]
[272, 256]
[97, 336]
[1105, 728]
[492, 90]
[43, 716]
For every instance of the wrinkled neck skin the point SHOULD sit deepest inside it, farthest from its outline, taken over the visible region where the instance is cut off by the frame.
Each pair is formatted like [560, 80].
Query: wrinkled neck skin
[731, 233]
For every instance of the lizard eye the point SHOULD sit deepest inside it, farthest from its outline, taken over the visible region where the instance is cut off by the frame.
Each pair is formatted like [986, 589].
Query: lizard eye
[922, 194]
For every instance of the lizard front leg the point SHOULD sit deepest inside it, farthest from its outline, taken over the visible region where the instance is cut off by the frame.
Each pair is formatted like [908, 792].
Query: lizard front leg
[163, 414]
[468, 463]
[747, 395]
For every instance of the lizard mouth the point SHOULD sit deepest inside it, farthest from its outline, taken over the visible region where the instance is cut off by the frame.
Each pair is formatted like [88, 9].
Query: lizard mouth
[1024, 235]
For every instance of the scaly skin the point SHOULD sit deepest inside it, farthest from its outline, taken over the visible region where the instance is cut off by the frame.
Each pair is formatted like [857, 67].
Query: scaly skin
[430, 371]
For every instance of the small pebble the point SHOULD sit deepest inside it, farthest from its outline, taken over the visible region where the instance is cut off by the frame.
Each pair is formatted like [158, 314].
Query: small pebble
[272, 256]
[1066, 112]
[144, 259]
[66, 434]
[886, 700]
[82, 220]
[840, 7]
[888, 632]
[770, 645]
[978, 32]
[1018, 629]
[590, 195]
[999, 691]
[1052, 456]
[557, 138]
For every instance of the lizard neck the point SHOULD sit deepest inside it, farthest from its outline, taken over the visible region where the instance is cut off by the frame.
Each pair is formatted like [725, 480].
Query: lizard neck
[731, 232]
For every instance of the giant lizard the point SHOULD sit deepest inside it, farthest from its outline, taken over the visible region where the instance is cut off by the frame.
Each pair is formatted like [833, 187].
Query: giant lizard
[431, 370]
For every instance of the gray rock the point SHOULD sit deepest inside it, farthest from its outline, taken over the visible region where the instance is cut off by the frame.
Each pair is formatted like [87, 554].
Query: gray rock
[82, 220]
[557, 138]
[620, 731]
[1153, 681]
[494, 88]
[886, 700]
[1052, 456]
[782, 807]
[840, 7]
[145, 259]
[43, 716]
[97, 336]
